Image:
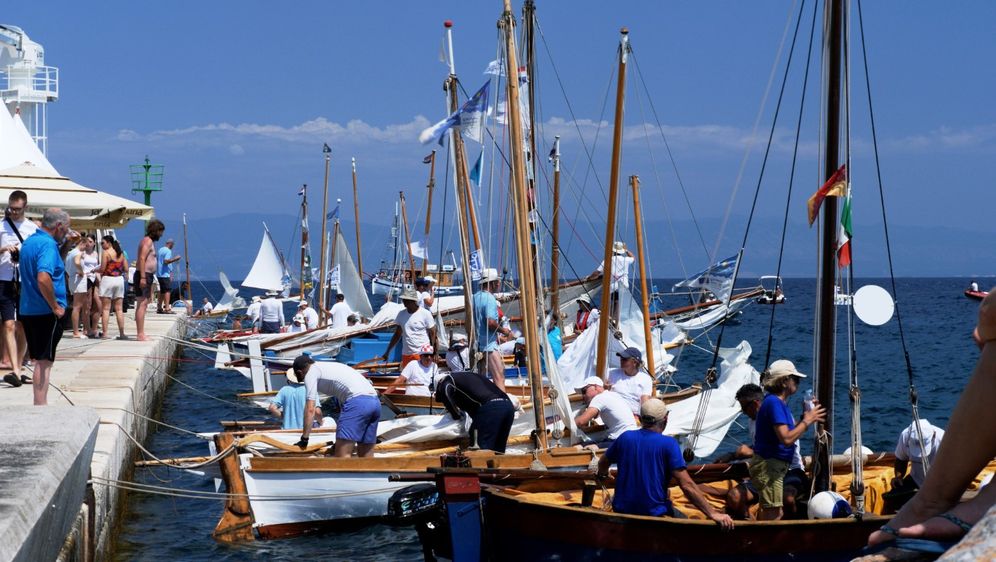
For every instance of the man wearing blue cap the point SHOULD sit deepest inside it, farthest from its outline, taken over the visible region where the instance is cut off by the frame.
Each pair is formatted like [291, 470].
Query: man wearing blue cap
[630, 381]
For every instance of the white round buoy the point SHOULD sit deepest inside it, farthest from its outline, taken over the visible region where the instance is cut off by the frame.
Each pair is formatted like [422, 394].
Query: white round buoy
[865, 451]
[828, 505]
[873, 305]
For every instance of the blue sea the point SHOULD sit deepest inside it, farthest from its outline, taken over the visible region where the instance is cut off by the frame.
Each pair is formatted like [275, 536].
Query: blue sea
[937, 321]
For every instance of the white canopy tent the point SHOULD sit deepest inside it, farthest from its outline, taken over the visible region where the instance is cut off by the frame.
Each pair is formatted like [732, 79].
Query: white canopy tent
[24, 167]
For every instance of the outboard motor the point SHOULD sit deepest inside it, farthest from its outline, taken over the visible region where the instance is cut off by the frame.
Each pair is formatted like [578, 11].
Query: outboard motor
[420, 506]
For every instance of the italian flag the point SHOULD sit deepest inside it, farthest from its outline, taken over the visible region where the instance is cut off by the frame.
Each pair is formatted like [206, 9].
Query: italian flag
[844, 238]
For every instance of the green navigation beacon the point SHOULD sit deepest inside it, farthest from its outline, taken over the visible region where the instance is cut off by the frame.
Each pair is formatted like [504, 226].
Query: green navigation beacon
[147, 178]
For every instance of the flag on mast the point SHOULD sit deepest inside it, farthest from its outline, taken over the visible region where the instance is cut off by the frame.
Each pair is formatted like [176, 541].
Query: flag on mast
[470, 119]
[844, 239]
[303, 190]
[428, 159]
[475, 173]
[836, 186]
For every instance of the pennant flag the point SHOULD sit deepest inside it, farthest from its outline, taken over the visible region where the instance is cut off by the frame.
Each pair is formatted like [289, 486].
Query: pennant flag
[326, 149]
[553, 153]
[419, 250]
[333, 214]
[428, 159]
[470, 119]
[475, 173]
[303, 190]
[844, 239]
[495, 68]
[718, 279]
[836, 186]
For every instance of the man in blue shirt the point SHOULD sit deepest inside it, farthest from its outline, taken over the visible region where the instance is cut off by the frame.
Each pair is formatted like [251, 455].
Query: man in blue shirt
[164, 274]
[646, 461]
[775, 435]
[43, 293]
[487, 327]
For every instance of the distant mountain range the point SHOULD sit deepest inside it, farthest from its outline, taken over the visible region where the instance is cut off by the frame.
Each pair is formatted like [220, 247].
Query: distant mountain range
[230, 243]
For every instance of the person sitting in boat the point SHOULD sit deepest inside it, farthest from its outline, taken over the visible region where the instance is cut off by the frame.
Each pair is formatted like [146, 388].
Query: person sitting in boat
[288, 404]
[357, 426]
[352, 320]
[424, 287]
[415, 328]
[297, 324]
[338, 314]
[646, 460]
[776, 434]
[622, 262]
[205, 309]
[252, 312]
[911, 451]
[507, 344]
[607, 405]
[417, 376]
[587, 314]
[630, 381]
[795, 485]
[489, 408]
[310, 315]
[458, 355]
[973, 286]
[271, 314]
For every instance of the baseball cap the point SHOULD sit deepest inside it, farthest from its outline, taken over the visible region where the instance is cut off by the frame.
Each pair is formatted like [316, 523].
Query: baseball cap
[303, 304]
[653, 410]
[592, 380]
[298, 318]
[783, 368]
[426, 349]
[301, 362]
[458, 341]
[631, 353]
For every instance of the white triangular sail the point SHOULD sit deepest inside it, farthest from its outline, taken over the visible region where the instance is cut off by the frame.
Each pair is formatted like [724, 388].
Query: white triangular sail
[227, 301]
[268, 271]
[350, 283]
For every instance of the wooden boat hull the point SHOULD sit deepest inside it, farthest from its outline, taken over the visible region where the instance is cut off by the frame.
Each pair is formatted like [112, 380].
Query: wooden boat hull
[570, 533]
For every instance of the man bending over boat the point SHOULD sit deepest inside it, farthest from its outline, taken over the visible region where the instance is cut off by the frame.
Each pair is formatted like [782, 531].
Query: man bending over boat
[608, 405]
[289, 403]
[775, 436]
[357, 430]
[646, 460]
[487, 405]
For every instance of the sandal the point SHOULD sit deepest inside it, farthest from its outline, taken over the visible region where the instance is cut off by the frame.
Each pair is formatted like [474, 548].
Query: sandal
[950, 517]
[12, 380]
[26, 379]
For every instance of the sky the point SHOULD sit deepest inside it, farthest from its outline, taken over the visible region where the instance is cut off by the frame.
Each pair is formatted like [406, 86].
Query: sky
[237, 98]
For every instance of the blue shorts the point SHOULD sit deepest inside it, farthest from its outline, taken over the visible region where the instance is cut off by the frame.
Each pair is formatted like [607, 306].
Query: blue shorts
[358, 420]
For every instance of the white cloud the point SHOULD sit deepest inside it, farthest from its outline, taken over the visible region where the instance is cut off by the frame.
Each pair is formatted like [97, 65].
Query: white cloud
[236, 150]
[978, 137]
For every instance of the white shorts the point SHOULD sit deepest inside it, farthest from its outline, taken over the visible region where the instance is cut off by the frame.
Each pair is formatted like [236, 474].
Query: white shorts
[112, 287]
[81, 286]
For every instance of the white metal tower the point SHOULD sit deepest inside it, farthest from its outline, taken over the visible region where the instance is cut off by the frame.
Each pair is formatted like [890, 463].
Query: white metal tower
[26, 84]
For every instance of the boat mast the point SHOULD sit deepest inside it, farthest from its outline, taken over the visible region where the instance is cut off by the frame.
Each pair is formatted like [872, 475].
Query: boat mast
[827, 313]
[610, 223]
[333, 244]
[555, 246]
[186, 265]
[304, 235]
[325, 209]
[524, 257]
[634, 181]
[428, 211]
[356, 217]
[529, 38]
[458, 158]
[408, 238]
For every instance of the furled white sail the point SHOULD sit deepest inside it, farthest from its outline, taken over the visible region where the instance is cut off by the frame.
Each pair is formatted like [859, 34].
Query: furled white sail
[631, 326]
[227, 301]
[268, 271]
[350, 283]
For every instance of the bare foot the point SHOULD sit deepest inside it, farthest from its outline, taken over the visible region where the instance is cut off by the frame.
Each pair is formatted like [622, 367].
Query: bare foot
[142, 338]
[915, 511]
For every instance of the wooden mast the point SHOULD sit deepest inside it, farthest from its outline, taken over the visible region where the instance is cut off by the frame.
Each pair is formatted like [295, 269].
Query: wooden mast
[322, 314]
[428, 212]
[356, 218]
[527, 281]
[408, 238]
[460, 186]
[634, 181]
[610, 223]
[827, 314]
[555, 246]
[529, 38]
[189, 300]
[304, 235]
[333, 243]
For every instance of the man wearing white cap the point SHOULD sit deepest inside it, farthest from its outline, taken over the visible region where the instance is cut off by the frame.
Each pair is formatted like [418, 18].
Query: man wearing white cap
[488, 327]
[775, 435]
[622, 261]
[297, 324]
[910, 452]
[424, 287]
[646, 460]
[610, 406]
[338, 314]
[418, 376]
[417, 326]
[458, 355]
[310, 315]
[253, 312]
[271, 314]
[288, 404]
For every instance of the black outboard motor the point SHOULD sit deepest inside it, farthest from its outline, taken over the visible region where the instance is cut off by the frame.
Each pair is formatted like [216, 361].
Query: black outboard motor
[421, 506]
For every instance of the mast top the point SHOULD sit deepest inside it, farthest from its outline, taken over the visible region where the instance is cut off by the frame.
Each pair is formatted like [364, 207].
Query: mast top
[624, 30]
[448, 23]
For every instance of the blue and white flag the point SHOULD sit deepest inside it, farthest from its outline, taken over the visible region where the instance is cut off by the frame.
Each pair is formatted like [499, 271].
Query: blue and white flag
[333, 214]
[303, 190]
[476, 264]
[718, 278]
[470, 119]
[475, 173]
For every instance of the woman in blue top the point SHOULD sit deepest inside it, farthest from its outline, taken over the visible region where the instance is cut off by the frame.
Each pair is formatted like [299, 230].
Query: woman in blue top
[776, 434]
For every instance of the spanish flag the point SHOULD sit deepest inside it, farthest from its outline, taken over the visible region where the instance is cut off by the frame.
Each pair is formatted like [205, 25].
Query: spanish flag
[836, 186]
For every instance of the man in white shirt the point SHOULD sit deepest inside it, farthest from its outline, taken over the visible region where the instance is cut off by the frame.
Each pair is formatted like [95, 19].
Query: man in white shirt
[607, 405]
[630, 381]
[310, 315]
[253, 312]
[415, 327]
[271, 314]
[425, 293]
[458, 355]
[418, 376]
[205, 309]
[360, 406]
[339, 313]
[13, 231]
[297, 325]
[910, 454]
[622, 261]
